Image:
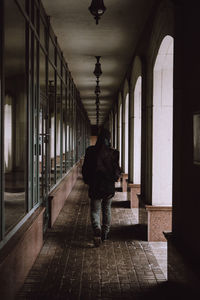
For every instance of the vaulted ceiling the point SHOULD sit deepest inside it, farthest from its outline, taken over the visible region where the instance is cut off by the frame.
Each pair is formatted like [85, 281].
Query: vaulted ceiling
[114, 39]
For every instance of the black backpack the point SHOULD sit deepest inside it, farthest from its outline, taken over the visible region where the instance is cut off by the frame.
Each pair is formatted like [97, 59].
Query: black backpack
[101, 165]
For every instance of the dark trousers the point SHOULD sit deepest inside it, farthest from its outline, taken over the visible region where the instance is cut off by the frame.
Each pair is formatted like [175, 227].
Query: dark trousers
[96, 207]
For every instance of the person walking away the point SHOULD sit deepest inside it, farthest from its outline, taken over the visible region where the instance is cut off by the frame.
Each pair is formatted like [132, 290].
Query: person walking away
[100, 171]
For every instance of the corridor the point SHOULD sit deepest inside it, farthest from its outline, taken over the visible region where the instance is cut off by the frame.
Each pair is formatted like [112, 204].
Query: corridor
[67, 70]
[70, 267]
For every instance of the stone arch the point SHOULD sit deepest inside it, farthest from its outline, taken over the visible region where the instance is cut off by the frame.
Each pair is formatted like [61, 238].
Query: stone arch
[119, 125]
[135, 123]
[125, 126]
[162, 124]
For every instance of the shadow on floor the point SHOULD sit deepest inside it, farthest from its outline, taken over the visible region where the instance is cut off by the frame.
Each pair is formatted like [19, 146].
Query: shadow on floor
[118, 189]
[121, 204]
[118, 233]
[129, 232]
[169, 291]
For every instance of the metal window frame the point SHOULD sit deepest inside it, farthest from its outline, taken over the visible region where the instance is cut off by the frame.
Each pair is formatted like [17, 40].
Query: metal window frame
[2, 223]
[71, 104]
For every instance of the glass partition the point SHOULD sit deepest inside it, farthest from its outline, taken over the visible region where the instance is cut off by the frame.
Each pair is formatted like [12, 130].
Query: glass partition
[42, 34]
[51, 96]
[15, 116]
[43, 128]
[51, 51]
[64, 127]
[58, 129]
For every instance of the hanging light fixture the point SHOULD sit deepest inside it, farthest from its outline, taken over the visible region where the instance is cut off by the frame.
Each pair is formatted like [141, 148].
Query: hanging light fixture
[97, 70]
[97, 89]
[97, 100]
[97, 9]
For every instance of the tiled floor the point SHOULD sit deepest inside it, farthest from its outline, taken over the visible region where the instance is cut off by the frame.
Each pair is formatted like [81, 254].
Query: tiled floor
[160, 252]
[70, 267]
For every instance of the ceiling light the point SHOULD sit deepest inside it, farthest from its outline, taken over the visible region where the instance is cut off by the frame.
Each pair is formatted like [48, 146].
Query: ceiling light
[97, 9]
[97, 99]
[97, 70]
[97, 90]
[97, 73]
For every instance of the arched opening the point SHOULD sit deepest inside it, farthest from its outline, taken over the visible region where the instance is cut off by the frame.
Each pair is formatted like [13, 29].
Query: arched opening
[162, 124]
[115, 144]
[126, 132]
[9, 134]
[120, 134]
[137, 131]
[112, 128]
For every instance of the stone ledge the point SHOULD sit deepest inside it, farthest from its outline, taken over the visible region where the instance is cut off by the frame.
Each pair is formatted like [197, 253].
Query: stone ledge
[124, 178]
[159, 208]
[159, 220]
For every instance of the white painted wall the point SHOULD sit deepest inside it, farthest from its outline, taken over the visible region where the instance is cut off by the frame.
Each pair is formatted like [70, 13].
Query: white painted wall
[137, 132]
[52, 137]
[163, 124]
[120, 134]
[8, 134]
[115, 130]
[126, 133]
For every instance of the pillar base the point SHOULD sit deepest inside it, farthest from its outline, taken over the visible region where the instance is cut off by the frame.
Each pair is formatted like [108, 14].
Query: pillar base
[159, 220]
[124, 178]
[134, 190]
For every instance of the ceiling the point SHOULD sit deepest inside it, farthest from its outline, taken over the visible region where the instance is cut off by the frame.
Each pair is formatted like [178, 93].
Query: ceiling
[114, 39]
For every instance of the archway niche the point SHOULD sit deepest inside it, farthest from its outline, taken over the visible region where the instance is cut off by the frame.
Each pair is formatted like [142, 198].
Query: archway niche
[126, 133]
[119, 140]
[160, 212]
[162, 124]
[137, 131]
[115, 144]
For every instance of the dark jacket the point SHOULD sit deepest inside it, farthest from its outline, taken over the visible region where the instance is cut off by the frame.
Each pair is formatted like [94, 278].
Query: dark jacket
[100, 171]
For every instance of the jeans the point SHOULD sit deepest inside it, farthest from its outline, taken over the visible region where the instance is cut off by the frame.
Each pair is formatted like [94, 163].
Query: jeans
[98, 205]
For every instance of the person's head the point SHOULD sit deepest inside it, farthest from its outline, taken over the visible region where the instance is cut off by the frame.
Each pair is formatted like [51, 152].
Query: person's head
[103, 137]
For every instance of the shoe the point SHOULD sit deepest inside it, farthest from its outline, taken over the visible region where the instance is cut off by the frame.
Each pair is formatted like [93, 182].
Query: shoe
[104, 236]
[97, 241]
[97, 237]
[97, 232]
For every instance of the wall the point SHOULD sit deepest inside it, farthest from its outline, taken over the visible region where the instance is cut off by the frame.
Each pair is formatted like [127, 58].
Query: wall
[186, 191]
[19, 254]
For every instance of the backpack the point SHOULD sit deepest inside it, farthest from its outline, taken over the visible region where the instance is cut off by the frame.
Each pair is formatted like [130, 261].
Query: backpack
[104, 161]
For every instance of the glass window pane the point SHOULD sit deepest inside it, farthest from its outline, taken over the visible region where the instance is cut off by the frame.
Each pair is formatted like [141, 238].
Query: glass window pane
[64, 109]
[42, 73]
[73, 124]
[35, 125]
[58, 129]
[42, 34]
[58, 65]
[68, 126]
[42, 126]
[15, 116]
[34, 15]
[22, 3]
[51, 51]
[51, 95]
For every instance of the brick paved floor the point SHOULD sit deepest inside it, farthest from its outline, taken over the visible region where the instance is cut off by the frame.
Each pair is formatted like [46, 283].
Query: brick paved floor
[70, 267]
